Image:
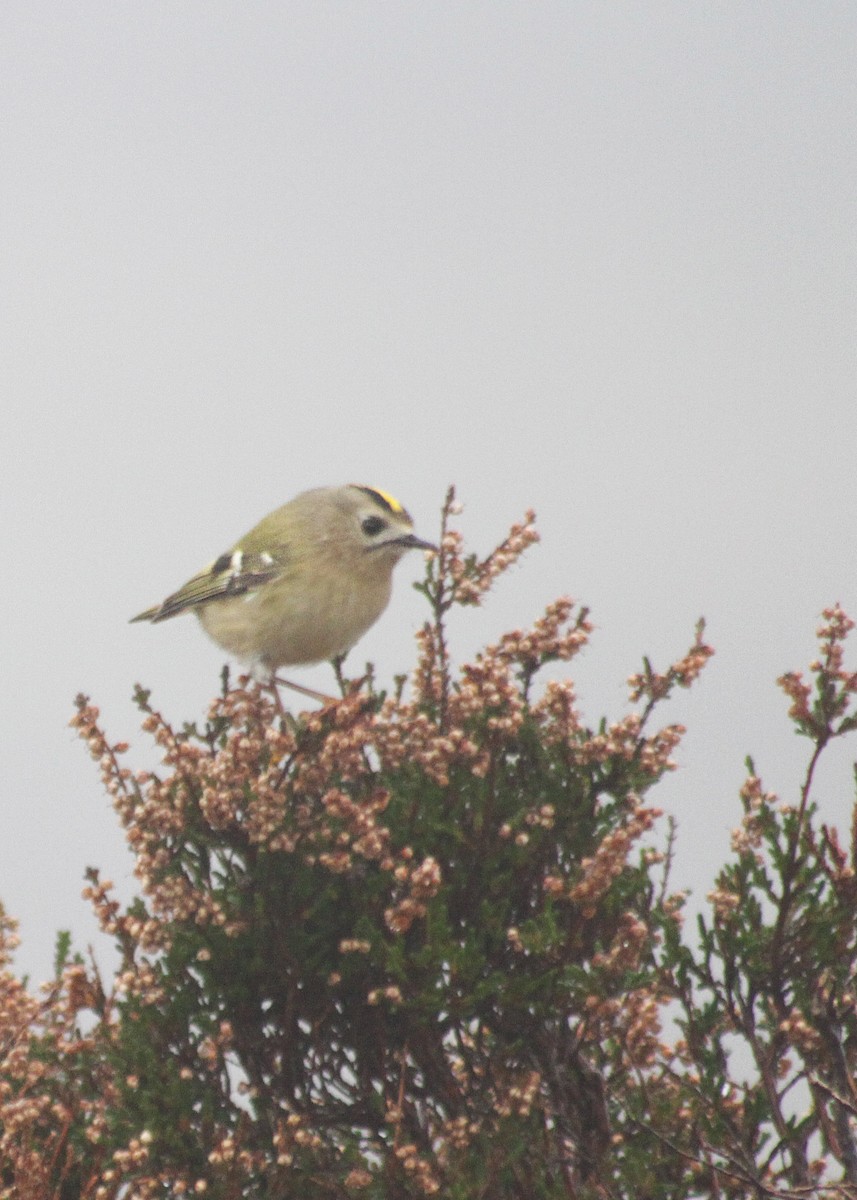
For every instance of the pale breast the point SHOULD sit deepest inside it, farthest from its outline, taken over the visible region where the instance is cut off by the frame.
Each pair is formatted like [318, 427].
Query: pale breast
[276, 627]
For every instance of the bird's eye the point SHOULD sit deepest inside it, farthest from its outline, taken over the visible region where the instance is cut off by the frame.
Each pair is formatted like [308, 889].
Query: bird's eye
[372, 526]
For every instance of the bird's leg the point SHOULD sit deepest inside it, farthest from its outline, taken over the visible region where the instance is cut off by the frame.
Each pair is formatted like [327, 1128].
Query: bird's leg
[277, 682]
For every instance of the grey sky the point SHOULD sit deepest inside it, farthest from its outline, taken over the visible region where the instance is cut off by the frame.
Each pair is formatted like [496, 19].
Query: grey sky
[593, 258]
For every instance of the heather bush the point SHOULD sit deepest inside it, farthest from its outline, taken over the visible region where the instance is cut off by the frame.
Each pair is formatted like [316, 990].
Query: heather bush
[423, 943]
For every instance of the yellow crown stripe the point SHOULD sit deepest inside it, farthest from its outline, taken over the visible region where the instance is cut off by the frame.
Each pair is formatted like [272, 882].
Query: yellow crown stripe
[383, 498]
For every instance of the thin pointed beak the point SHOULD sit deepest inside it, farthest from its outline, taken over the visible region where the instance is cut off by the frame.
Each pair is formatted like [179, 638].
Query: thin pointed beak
[411, 542]
[408, 541]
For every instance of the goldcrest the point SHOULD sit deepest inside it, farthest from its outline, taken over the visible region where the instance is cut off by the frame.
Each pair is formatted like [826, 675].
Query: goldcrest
[305, 584]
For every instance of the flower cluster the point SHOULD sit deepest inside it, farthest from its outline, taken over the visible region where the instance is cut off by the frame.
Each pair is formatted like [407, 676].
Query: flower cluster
[471, 578]
[655, 686]
[598, 871]
[827, 709]
[418, 885]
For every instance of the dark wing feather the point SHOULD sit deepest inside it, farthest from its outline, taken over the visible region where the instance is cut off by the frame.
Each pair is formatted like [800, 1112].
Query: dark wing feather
[233, 574]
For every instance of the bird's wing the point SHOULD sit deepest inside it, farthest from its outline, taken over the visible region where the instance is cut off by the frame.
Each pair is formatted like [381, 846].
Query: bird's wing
[233, 574]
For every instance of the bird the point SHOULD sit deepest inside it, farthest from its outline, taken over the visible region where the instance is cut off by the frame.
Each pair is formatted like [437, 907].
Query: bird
[303, 585]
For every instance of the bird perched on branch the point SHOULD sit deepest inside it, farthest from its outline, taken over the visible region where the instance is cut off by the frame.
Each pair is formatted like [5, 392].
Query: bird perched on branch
[304, 584]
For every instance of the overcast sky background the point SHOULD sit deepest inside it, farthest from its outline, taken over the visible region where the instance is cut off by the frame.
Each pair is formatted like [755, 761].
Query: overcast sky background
[597, 259]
